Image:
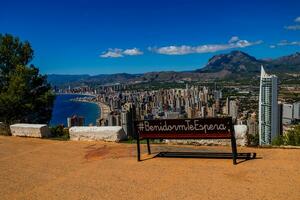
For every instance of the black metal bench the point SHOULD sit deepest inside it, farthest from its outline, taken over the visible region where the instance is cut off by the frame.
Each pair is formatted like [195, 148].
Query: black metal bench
[201, 128]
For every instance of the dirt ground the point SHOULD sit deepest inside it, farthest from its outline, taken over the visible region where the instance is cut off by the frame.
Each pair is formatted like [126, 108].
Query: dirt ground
[48, 169]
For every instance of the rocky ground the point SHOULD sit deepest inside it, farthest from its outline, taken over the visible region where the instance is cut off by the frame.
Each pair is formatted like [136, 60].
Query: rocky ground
[48, 169]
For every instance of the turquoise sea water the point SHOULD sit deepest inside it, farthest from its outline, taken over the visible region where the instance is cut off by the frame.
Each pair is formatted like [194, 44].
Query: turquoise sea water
[64, 108]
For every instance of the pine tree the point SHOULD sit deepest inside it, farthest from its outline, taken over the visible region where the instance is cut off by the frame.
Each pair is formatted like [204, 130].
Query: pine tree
[25, 95]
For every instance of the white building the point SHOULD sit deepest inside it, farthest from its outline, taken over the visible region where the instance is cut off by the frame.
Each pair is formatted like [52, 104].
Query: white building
[268, 108]
[287, 113]
[297, 110]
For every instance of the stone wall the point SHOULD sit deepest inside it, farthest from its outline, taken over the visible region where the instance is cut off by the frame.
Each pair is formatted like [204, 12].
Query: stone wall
[30, 130]
[94, 133]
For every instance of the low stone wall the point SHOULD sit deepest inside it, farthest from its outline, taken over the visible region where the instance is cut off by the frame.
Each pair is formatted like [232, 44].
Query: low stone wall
[240, 135]
[30, 130]
[4, 129]
[94, 133]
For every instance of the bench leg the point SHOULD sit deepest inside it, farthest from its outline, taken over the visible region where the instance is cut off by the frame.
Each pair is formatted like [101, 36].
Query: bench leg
[148, 146]
[234, 150]
[138, 149]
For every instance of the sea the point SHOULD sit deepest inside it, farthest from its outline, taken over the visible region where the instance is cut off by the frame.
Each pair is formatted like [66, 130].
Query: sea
[64, 107]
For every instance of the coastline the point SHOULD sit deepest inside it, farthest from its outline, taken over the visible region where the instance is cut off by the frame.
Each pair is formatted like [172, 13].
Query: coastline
[79, 94]
[66, 105]
[104, 108]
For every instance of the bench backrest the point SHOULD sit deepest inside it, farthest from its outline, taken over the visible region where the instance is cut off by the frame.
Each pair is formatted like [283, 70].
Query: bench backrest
[199, 128]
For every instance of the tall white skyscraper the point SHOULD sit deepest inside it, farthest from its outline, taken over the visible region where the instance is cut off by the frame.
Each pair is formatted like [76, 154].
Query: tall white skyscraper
[268, 108]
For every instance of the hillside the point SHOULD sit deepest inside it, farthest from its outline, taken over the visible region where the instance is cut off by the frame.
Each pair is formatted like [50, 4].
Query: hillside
[235, 64]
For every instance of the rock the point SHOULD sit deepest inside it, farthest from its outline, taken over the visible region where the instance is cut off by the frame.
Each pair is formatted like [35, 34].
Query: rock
[4, 129]
[240, 136]
[95, 133]
[30, 130]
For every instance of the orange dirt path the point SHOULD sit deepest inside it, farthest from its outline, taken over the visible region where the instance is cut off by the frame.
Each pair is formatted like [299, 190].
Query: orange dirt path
[48, 169]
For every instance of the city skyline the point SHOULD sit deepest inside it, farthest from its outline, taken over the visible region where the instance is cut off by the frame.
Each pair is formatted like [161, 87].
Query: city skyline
[89, 37]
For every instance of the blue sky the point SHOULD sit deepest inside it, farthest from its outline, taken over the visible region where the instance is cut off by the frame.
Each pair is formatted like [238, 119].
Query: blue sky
[103, 37]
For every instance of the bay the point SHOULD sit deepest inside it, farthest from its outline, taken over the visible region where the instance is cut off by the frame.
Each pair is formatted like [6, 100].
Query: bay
[64, 107]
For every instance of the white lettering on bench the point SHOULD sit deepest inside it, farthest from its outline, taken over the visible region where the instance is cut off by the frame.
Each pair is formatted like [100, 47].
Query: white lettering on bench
[187, 126]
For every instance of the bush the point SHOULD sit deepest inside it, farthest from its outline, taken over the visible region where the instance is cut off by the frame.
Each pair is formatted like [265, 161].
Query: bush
[59, 132]
[279, 140]
[291, 137]
[4, 129]
[253, 140]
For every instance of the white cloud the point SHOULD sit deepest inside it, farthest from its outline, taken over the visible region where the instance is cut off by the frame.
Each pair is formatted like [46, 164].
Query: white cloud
[112, 53]
[233, 39]
[285, 43]
[297, 19]
[117, 53]
[132, 52]
[234, 42]
[293, 27]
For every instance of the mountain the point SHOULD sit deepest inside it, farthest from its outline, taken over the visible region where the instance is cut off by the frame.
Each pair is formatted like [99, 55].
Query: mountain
[77, 80]
[61, 79]
[239, 63]
[290, 63]
[111, 78]
[236, 64]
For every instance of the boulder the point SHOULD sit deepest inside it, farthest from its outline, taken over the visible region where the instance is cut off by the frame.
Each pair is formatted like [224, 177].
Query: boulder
[95, 133]
[240, 136]
[30, 130]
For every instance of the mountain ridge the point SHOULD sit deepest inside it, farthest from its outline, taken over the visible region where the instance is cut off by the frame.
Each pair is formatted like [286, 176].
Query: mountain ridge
[235, 64]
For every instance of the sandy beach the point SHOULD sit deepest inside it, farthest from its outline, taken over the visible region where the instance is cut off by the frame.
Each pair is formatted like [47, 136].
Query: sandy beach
[104, 110]
[48, 169]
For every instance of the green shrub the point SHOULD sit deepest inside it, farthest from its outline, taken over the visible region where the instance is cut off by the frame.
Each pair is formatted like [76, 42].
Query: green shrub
[277, 141]
[4, 129]
[59, 132]
[291, 137]
[253, 140]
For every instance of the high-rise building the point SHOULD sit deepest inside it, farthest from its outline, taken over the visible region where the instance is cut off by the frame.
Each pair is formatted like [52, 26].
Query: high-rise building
[75, 121]
[268, 108]
[280, 112]
[287, 113]
[233, 109]
[297, 110]
[227, 107]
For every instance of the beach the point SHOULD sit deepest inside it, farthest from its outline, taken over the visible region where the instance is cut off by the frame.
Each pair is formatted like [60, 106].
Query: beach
[104, 108]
